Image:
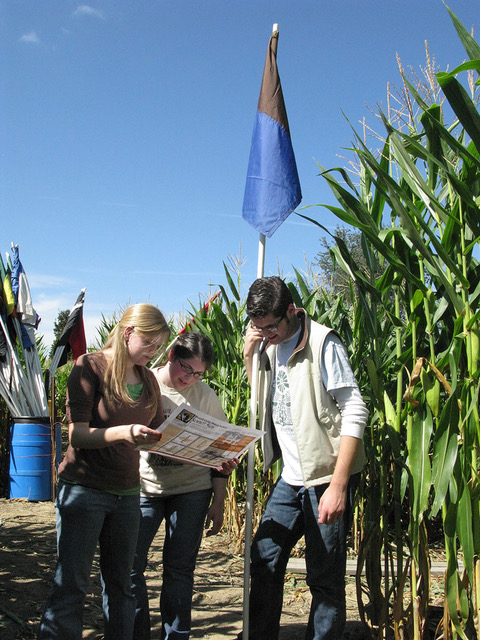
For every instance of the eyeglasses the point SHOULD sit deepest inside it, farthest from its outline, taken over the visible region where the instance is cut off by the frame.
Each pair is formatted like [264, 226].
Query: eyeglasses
[157, 342]
[271, 328]
[187, 369]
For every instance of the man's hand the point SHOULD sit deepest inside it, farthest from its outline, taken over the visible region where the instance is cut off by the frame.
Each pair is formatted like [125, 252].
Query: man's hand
[253, 338]
[332, 504]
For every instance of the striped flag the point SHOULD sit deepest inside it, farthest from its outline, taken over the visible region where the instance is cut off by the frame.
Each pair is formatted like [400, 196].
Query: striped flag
[72, 339]
[272, 189]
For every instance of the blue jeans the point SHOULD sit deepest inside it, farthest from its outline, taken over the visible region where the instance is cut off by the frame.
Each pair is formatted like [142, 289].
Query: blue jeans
[184, 516]
[86, 517]
[290, 513]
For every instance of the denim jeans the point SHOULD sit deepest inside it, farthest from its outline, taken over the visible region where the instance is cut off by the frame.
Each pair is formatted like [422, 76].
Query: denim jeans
[184, 516]
[86, 517]
[290, 513]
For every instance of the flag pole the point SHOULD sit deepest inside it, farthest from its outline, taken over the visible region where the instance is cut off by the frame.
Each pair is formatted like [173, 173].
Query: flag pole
[272, 192]
[251, 460]
[251, 454]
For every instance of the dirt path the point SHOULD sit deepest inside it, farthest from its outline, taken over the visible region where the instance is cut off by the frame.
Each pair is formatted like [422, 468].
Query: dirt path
[27, 559]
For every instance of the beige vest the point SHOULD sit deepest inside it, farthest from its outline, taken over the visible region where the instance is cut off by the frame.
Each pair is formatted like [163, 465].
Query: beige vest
[315, 415]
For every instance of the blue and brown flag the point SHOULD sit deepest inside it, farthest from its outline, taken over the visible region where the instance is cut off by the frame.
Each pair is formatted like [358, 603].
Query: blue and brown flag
[272, 189]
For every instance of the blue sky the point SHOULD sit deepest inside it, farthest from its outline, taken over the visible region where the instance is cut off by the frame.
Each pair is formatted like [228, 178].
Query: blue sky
[126, 129]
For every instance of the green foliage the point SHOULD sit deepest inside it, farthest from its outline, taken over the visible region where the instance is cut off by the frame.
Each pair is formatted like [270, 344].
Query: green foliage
[224, 321]
[42, 351]
[103, 331]
[345, 244]
[61, 378]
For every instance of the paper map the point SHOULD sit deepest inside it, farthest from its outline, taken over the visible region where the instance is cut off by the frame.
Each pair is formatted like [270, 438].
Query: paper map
[192, 437]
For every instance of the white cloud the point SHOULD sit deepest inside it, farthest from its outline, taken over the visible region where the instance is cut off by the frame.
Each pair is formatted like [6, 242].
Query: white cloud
[86, 10]
[91, 325]
[46, 281]
[30, 38]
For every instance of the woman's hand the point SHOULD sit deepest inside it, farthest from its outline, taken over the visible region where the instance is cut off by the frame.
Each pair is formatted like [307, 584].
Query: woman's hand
[140, 434]
[214, 519]
[228, 466]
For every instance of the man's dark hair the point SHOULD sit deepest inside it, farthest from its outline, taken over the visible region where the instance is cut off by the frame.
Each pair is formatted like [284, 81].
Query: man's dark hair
[268, 296]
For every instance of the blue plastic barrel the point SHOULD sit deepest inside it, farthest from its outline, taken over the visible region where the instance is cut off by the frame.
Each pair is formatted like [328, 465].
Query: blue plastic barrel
[31, 459]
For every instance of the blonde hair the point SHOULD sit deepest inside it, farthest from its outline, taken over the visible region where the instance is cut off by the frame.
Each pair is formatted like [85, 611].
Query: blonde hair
[148, 321]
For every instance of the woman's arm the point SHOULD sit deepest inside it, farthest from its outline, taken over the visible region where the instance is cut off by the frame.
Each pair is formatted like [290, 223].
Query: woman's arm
[214, 518]
[83, 436]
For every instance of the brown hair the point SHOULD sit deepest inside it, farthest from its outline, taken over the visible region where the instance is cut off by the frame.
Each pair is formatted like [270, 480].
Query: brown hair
[267, 296]
[194, 345]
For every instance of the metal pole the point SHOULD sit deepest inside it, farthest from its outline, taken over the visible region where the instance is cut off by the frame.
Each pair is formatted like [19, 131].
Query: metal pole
[251, 463]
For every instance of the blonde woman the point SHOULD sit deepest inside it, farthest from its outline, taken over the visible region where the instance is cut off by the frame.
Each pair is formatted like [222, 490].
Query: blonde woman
[113, 405]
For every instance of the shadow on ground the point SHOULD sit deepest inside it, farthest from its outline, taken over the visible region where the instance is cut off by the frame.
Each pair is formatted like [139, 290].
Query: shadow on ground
[27, 561]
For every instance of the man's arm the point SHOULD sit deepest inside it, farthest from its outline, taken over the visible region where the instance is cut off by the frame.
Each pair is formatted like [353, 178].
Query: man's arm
[354, 418]
[333, 502]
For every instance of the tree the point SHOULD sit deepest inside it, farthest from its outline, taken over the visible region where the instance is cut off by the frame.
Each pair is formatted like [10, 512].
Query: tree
[58, 327]
[337, 281]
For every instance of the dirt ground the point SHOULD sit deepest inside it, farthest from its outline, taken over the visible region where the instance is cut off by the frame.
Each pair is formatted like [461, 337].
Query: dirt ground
[27, 560]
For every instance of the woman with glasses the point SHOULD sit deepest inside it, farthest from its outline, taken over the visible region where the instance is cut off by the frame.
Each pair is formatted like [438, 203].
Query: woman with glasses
[113, 405]
[187, 497]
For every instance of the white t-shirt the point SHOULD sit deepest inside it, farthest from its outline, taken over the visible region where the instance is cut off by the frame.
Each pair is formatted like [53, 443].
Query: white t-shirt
[282, 415]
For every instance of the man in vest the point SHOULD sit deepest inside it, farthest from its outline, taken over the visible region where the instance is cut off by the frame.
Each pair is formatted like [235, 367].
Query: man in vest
[314, 417]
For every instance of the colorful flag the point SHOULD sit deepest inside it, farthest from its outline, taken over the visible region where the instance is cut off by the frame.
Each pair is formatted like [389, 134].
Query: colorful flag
[272, 189]
[72, 338]
[21, 291]
[6, 284]
[3, 338]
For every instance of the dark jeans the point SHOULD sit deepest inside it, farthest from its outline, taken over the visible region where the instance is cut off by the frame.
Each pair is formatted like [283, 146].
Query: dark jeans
[290, 513]
[184, 516]
[85, 518]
